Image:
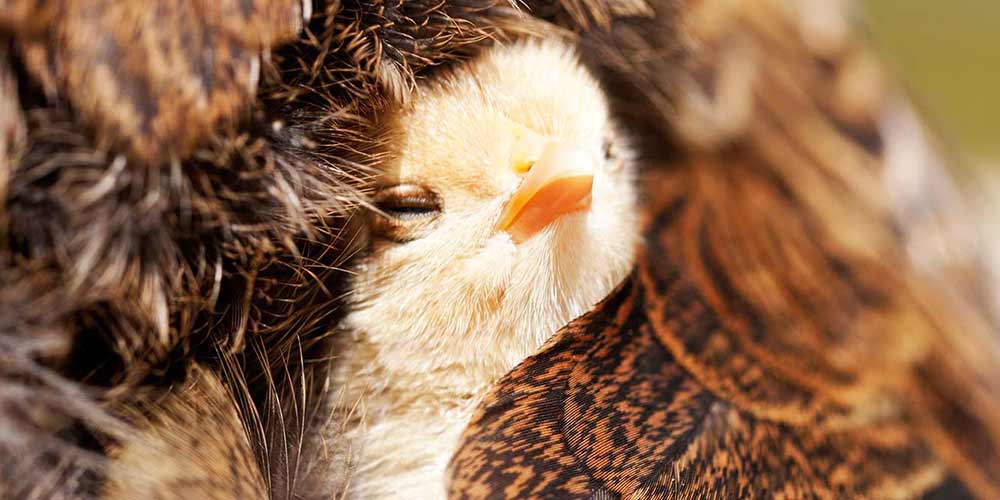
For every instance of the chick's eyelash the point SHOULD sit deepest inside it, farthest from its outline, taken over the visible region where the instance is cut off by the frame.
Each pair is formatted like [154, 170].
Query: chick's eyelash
[408, 203]
[411, 202]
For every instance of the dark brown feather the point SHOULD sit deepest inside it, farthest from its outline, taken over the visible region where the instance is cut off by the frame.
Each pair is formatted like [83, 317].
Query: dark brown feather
[606, 411]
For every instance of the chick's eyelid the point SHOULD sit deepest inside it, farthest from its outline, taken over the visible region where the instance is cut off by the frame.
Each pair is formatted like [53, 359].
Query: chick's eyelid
[401, 189]
[414, 193]
[403, 211]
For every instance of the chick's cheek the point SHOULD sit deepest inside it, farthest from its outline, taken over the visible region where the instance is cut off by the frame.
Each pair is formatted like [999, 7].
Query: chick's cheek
[606, 187]
[494, 261]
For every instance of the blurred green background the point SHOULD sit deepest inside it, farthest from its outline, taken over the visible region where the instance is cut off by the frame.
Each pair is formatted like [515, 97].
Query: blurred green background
[949, 55]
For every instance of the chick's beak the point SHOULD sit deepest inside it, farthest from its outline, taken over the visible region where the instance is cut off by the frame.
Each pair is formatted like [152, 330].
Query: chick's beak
[558, 183]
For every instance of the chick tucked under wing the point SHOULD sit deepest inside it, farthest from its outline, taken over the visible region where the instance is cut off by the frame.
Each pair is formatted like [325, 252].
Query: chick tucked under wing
[525, 220]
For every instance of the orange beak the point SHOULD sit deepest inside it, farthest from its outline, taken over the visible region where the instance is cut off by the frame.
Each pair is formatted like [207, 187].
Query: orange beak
[558, 183]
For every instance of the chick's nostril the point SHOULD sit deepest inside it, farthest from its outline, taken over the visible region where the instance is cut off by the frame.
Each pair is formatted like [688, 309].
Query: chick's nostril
[523, 167]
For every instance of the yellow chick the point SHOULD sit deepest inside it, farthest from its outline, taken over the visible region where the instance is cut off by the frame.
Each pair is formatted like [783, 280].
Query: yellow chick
[507, 213]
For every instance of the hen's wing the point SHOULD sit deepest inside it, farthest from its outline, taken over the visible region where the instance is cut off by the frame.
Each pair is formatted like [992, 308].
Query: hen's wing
[606, 411]
[783, 334]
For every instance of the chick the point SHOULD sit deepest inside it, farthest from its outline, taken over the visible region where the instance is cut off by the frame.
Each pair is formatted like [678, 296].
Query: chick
[508, 211]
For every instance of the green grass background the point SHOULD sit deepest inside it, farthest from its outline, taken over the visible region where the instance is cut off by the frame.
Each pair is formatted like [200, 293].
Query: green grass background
[948, 53]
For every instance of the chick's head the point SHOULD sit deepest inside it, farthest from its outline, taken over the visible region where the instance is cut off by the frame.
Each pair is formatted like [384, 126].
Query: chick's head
[508, 210]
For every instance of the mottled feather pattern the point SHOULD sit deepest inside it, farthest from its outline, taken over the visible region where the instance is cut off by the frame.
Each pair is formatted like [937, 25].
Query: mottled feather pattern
[606, 410]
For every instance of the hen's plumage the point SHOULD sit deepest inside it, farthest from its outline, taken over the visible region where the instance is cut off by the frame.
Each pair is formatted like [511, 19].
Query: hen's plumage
[162, 210]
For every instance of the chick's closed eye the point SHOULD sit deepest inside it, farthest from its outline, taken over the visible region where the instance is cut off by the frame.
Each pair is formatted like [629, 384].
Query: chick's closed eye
[403, 211]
